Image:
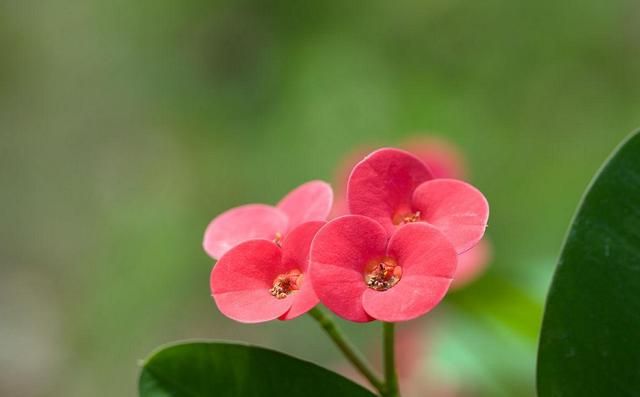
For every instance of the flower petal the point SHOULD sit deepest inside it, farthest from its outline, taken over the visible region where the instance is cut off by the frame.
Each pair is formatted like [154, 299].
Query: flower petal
[251, 221]
[297, 244]
[472, 264]
[311, 201]
[295, 255]
[381, 185]
[339, 253]
[241, 280]
[458, 209]
[428, 262]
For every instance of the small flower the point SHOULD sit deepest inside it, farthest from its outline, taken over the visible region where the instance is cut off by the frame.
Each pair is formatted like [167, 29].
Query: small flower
[309, 202]
[259, 280]
[362, 275]
[395, 188]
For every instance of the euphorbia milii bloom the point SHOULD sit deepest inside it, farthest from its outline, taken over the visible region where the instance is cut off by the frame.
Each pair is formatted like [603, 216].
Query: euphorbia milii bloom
[361, 274]
[396, 188]
[259, 280]
[309, 202]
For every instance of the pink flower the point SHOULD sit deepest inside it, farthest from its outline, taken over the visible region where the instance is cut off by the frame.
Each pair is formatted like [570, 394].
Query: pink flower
[361, 274]
[396, 188]
[258, 280]
[309, 202]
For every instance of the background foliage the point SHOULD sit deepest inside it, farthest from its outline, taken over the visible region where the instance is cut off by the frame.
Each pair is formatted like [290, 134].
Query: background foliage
[126, 126]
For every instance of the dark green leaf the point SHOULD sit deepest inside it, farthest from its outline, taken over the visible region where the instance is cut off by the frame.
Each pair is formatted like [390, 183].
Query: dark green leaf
[590, 340]
[225, 369]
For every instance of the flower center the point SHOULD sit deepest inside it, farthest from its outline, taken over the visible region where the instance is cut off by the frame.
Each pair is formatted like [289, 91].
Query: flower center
[278, 239]
[402, 218]
[287, 283]
[382, 274]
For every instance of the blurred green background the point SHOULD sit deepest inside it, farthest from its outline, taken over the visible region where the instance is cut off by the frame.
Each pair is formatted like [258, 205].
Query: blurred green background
[126, 126]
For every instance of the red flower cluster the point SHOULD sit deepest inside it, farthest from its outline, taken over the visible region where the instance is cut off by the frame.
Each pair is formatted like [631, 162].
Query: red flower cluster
[444, 160]
[392, 258]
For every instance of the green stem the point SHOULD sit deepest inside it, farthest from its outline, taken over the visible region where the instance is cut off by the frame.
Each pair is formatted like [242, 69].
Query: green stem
[350, 352]
[390, 375]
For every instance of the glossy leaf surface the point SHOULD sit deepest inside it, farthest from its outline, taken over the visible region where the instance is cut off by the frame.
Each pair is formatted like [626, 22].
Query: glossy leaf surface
[225, 369]
[590, 340]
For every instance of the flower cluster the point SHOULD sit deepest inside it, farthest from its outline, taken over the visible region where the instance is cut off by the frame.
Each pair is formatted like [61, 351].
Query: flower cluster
[392, 257]
[444, 161]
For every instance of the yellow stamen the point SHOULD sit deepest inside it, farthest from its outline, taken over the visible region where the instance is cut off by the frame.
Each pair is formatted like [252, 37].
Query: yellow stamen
[383, 274]
[278, 239]
[286, 284]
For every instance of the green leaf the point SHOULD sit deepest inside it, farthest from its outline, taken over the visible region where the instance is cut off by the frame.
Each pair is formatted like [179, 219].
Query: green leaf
[590, 340]
[194, 369]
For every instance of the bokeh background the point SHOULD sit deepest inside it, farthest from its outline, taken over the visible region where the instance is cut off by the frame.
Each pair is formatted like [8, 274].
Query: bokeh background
[127, 125]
